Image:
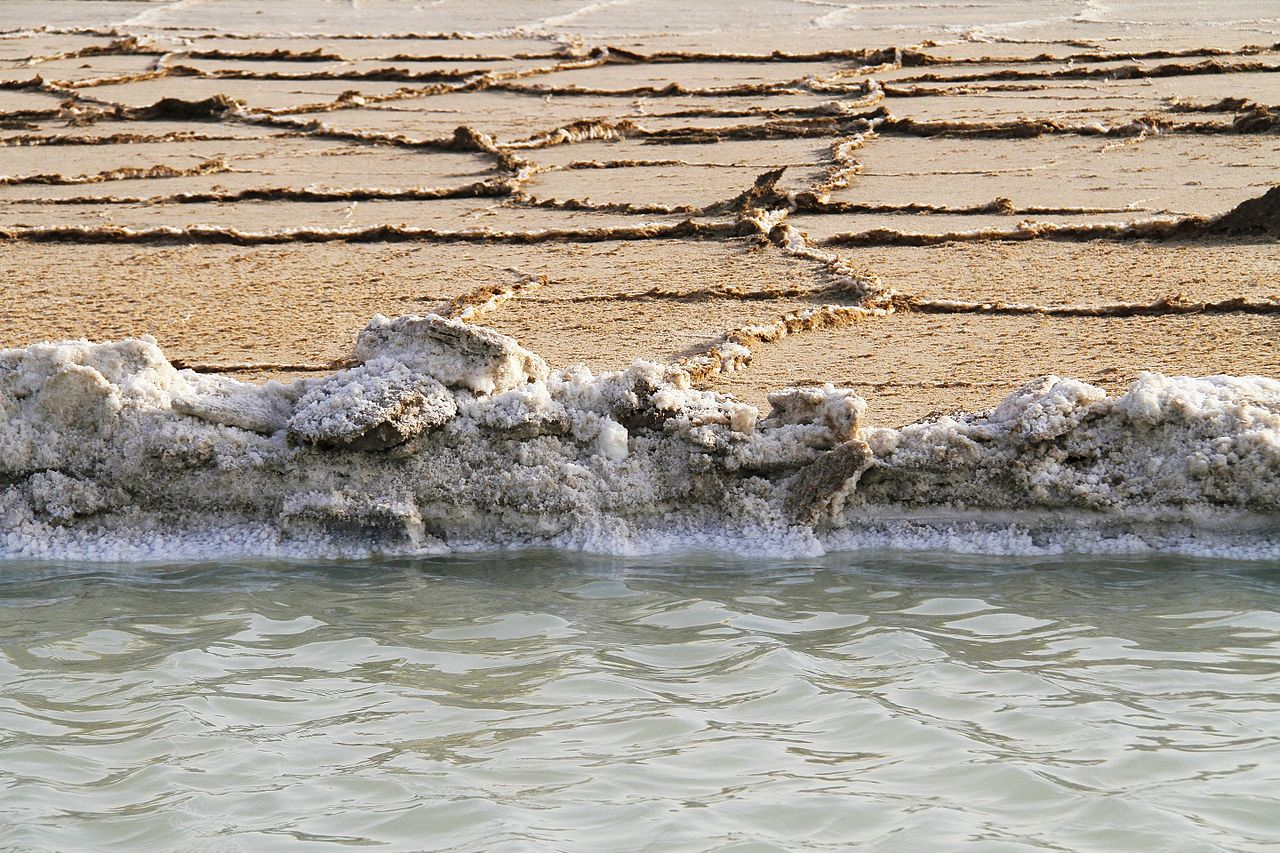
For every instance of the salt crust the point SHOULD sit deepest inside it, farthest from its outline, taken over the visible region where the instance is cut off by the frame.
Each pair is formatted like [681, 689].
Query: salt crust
[444, 436]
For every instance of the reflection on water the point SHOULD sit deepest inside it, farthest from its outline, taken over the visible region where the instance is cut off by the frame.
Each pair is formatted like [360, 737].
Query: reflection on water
[587, 703]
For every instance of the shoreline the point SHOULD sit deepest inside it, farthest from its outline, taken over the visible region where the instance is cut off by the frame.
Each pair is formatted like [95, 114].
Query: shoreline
[443, 435]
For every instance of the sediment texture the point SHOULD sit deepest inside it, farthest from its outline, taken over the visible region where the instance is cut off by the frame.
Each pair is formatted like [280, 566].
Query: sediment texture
[930, 205]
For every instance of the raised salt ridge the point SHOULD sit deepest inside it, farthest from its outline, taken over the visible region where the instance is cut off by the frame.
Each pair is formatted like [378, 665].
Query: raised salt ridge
[445, 435]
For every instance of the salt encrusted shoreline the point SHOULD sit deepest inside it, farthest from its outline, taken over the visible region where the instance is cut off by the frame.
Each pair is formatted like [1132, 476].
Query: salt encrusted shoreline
[446, 436]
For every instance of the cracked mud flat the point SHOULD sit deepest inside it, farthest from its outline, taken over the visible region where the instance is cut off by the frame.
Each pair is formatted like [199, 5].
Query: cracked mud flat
[932, 205]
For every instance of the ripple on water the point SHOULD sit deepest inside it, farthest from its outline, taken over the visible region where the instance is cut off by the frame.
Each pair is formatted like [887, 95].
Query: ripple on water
[560, 701]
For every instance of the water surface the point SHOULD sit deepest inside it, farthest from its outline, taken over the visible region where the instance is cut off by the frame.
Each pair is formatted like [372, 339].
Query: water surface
[584, 703]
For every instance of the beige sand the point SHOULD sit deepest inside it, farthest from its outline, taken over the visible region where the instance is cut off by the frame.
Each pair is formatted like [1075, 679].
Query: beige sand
[251, 188]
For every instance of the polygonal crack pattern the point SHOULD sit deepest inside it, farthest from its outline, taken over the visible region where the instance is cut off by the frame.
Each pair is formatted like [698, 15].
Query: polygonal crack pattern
[930, 205]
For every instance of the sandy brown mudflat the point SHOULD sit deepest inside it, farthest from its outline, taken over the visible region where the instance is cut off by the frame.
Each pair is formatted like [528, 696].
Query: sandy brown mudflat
[969, 196]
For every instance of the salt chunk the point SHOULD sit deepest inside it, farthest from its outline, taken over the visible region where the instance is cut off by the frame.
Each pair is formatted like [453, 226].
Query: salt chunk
[373, 407]
[839, 409]
[455, 353]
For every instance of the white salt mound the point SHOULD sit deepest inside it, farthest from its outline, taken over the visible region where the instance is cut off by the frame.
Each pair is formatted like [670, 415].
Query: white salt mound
[450, 436]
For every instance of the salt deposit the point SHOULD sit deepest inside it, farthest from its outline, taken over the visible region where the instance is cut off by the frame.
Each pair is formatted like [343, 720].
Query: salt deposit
[442, 435]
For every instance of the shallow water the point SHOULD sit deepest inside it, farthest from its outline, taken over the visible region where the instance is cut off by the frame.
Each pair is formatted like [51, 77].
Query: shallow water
[551, 701]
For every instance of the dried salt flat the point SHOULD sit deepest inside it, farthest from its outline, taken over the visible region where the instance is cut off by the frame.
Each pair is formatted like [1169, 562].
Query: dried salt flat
[17, 46]
[355, 70]
[369, 17]
[673, 187]
[285, 95]
[607, 304]
[1087, 105]
[74, 13]
[1142, 25]
[208, 304]
[899, 226]
[1086, 273]
[1209, 89]
[303, 50]
[774, 117]
[1173, 174]
[80, 70]
[14, 103]
[808, 157]
[887, 18]
[1176, 14]
[506, 117]
[229, 167]
[916, 366]
[326, 288]
[68, 131]
[515, 117]
[743, 77]
[753, 38]
[281, 213]
[962, 52]
[688, 176]
[69, 162]
[1083, 69]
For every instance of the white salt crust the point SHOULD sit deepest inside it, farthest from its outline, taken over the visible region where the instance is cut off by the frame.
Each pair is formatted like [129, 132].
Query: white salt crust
[446, 436]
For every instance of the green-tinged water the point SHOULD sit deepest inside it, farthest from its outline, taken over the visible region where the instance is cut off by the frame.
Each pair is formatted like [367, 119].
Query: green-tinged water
[547, 701]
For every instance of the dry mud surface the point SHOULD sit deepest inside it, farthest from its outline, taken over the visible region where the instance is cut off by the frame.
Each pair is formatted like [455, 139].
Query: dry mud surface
[931, 203]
